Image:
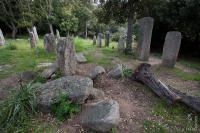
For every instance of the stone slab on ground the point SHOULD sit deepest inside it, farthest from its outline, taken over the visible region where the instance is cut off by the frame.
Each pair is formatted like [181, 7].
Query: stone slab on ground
[80, 58]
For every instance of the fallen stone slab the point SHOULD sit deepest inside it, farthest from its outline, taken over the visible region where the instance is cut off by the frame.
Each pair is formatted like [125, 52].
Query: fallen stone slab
[116, 72]
[80, 58]
[44, 65]
[101, 116]
[94, 73]
[76, 88]
[47, 73]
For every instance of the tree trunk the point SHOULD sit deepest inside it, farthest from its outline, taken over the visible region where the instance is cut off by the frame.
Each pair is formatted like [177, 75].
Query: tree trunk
[86, 30]
[51, 28]
[145, 75]
[129, 35]
[14, 32]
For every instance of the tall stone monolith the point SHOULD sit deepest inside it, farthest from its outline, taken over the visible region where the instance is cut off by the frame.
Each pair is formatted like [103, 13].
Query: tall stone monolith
[2, 39]
[107, 38]
[66, 56]
[50, 42]
[94, 40]
[99, 40]
[171, 48]
[145, 34]
[35, 33]
[121, 43]
[32, 39]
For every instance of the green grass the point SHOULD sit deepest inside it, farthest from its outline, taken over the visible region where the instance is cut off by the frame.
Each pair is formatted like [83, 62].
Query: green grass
[175, 118]
[178, 72]
[191, 63]
[23, 58]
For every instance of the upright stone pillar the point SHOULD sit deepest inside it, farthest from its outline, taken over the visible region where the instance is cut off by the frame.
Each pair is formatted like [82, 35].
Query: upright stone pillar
[121, 43]
[50, 42]
[145, 33]
[35, 33]
[2, 39]
[107, 38]
[94, 40]
[32, 39]
[66, 56]
[99, 40]
[171, 48]
[57, 34]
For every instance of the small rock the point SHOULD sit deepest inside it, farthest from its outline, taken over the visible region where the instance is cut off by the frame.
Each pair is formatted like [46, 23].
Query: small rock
[101, 116]
[116, 72]
[44, 65]
[98, 70]
[80, 58]
[47, 73]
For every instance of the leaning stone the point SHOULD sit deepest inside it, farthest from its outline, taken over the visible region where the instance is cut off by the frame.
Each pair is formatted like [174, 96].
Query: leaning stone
[66, 56]
[76, 88]
[145, 33]
[47, 73]
[57, 34]
[101, 116]
[94, 73]
[94, 40]
[32, 39]
[2, 39]
[80, 58]
[116, 72]
[35, 33]
[171, 48]
[50, 42]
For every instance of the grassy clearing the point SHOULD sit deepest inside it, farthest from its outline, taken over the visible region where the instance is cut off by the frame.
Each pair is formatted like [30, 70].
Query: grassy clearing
[22, 58]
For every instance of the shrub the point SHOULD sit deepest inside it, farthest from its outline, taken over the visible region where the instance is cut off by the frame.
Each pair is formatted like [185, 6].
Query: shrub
[64, 108]
[11, 46]
[40, 79]
[126, 72]
[16, 111]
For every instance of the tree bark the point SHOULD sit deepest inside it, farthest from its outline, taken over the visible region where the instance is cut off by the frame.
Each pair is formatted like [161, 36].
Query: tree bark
[14, 32]
[129, 34]
[86, 30]
[145, 75]
[51, 28]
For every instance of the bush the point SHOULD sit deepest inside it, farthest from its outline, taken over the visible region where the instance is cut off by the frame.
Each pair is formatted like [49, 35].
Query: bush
[15, 112]
[11, 46]
[64, 108]
[126, 72]
[115, 37]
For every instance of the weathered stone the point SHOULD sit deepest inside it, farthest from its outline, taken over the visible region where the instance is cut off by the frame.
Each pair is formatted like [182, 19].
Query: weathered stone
[2, 39]
[50, 42]
[94, 40]
[94, 73]
[107, 38]
[116, 72]
[171, 48]
[66, 56]
[101, 116]
[57, 34]
[35, 33]
[145, 33]
[121, 43]
[48, 72]
[27, 75]
[99, 40]
[32, 39]
[76, 88]
[44, 65]
[80, 58]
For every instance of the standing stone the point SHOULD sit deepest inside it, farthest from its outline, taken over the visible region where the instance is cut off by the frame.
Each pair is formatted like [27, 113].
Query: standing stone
[99, 40]
[171, 48]
[94, 40]
[107, 38]
[145, 33]
[57, 34]
[35, 33]
[32, 39]
[121, 43]
[66, 56]
[2, 40]
[50, 42]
